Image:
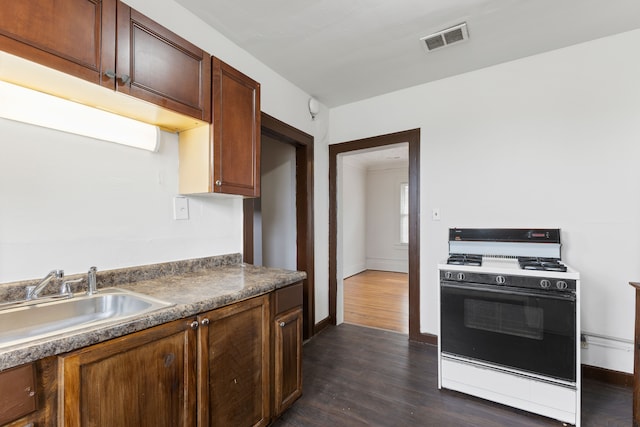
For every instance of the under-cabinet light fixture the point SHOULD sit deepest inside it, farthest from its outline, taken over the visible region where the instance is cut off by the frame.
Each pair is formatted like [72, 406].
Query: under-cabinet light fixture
[29, 106]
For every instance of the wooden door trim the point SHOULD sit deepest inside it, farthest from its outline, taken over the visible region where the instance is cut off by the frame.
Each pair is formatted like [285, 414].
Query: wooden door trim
[413, 138]
[303, 144]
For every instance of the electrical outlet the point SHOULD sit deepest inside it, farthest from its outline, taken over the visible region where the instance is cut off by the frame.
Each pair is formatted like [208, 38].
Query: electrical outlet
[435, 214]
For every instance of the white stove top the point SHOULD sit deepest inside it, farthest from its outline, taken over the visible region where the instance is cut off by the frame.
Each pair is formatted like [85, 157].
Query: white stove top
[510, 266]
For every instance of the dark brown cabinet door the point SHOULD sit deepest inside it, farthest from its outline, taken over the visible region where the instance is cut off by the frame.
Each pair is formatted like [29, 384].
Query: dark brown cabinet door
[108, 43]
[236, 132]
[73, 36]
[17, 393]
[288, 359]
[144, 379]
[234, 365]
[158, 66]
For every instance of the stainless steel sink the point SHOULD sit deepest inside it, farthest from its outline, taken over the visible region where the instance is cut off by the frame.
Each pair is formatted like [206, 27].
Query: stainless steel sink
[49, 318]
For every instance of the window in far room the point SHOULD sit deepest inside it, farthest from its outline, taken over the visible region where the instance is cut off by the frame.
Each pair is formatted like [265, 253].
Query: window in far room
[404, 213]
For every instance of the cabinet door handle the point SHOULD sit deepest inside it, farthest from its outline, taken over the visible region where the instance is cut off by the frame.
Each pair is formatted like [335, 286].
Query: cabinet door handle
[205, 322]
[125, 78]
[218, 182]
[282, 324]
[194, 324]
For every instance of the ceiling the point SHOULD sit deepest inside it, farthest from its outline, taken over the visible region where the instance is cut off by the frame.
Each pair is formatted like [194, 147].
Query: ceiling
[344, 51]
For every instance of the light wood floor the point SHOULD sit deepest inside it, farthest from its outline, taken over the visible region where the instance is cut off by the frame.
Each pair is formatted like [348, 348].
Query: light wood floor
[377, 299]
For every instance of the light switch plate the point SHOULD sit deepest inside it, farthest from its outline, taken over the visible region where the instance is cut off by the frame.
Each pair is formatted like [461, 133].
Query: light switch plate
[180, 208]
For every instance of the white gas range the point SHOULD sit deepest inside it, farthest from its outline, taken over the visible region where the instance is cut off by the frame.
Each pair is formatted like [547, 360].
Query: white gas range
[509, 321]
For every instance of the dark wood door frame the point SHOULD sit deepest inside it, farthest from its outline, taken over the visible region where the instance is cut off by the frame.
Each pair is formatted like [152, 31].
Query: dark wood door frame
[303, 143]
[413, 138]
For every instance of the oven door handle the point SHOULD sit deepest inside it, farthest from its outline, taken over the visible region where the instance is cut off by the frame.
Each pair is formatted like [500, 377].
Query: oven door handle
[568, 296]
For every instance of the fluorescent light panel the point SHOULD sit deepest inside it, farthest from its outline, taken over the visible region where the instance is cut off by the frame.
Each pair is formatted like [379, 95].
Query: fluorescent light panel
[29, 106]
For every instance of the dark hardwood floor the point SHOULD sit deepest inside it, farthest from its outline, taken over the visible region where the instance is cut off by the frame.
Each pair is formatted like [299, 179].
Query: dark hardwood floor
[358, 376]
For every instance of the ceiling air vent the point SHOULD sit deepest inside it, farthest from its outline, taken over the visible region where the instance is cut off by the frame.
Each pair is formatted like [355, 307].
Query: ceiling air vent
[455, 34]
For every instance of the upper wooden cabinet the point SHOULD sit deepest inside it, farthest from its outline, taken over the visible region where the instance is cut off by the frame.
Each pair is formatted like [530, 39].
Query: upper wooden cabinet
[73, 36]
[158, 66]
[236, 131]
[225, 157]
[108, 43]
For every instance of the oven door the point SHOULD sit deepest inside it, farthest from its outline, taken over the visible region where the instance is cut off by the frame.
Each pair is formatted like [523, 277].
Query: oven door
[523, 329]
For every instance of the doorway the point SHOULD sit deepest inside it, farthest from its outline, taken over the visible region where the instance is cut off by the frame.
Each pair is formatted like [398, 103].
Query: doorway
[373, 238]
[274, 234]
[412, 137]
[303, 143]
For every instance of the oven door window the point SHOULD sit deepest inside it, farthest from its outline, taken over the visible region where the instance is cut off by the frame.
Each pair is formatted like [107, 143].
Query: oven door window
[530, 331]
[504, 318]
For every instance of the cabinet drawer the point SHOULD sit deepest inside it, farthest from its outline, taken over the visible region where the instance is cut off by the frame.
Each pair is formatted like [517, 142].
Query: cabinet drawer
[17, 393]
[289, 297]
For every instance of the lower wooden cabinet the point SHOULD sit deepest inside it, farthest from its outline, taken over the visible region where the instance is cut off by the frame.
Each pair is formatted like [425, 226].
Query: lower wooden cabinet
[234, 365]
[28, 394]
[287, 346]
[144, 379]
[287, 359]
[226, 367]
[17, 393]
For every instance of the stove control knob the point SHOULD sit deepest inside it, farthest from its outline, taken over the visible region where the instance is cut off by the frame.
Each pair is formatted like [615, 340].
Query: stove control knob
[460, 276]
[448, 275]
[501, 280]
[545, 284]
[561, 284]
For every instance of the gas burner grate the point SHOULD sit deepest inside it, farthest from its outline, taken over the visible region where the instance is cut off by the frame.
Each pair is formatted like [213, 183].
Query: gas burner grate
[543, 264]
[465, 259]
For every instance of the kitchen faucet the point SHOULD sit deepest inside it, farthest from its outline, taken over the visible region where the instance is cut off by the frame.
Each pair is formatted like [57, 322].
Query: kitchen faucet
[34, 292]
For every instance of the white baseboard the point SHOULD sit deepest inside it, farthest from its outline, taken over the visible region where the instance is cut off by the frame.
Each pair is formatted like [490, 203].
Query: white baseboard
[395, 265]
[352, 270]
[609, 353]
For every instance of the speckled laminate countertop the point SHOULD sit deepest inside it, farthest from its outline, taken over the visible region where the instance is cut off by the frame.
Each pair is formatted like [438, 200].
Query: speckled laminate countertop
[193, 286]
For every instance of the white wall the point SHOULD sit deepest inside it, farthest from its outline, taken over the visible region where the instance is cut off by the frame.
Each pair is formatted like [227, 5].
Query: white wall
[280, 99]
[384, 251]
[70, 202]
[370, 216]
[278, 203]
[321, 214]
[354, 217]
[566, 121]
